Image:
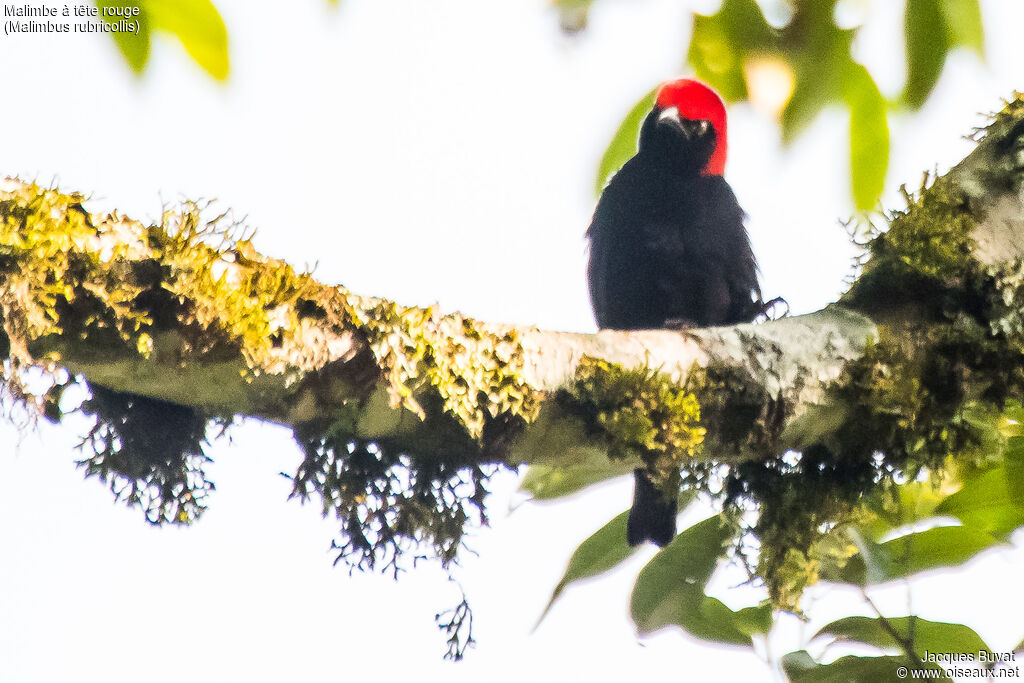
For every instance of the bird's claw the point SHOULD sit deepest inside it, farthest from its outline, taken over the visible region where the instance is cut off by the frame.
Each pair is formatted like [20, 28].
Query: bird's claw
[768, 309]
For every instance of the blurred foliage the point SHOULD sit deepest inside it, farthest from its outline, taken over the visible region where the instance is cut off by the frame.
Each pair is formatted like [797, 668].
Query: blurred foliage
[912, 461]
[544, 482]
[927, 635]
[932, 28]
[604, 550]
[800, 667]
[670, 589]
[623, 144]
[806, 65]
[196, 23]
[734, 50]
[903, 529]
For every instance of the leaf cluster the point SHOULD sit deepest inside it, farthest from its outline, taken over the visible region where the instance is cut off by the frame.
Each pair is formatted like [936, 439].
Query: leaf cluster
[810, 55]
[895, 532]
[196, 23]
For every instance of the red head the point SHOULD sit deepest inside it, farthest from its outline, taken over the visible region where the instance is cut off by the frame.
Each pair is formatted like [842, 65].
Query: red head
[698, 101]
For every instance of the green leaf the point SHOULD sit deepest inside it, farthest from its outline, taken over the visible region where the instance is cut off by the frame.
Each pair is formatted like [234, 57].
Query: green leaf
[798, 663]
[810, 95]
[573, 14]
[985, 503]
[670, 589]
[722, 42]
[623, 144]
[603, 550]
[754, 620]
[900, 506]
[134, 47]
[678, 573]
[927, 44]
[711, 619]
[946, 546]
[1014, 463]
[869, 136]
[932, 28]
[800, 667]
[963, 24]
[933, 636]
[545, 482]
[818, 52]
[199, 27]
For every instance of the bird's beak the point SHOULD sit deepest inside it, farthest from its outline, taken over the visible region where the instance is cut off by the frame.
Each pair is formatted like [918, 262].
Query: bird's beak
[691, 129]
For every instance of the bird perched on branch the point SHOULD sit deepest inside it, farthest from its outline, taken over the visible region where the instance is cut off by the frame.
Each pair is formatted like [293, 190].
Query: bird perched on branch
[668, 248]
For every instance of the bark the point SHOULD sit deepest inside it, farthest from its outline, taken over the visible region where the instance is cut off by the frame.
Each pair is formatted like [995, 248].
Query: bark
[187, 312]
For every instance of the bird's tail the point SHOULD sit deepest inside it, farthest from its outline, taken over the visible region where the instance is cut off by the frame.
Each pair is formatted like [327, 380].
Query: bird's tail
[653, 515]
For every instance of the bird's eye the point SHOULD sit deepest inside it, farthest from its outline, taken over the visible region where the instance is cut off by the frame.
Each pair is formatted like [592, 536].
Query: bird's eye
[702, 126]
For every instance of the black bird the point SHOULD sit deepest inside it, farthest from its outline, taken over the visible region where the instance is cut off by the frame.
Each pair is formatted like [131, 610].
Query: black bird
[668, 248]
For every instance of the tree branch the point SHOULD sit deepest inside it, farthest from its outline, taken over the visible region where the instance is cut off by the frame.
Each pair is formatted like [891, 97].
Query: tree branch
[187, 312]
[398, 409]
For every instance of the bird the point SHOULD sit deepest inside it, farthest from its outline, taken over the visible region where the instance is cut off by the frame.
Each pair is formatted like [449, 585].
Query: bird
[668, 248]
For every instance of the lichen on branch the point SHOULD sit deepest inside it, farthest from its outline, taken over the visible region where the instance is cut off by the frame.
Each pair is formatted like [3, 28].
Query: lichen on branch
[400, 412]
[943, 283]
[181, 325]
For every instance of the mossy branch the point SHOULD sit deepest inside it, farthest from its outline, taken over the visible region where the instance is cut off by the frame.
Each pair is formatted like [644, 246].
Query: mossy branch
[401, 410]
[188, 312]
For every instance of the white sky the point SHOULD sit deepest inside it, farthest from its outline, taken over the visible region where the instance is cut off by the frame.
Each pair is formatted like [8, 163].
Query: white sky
[438, 150]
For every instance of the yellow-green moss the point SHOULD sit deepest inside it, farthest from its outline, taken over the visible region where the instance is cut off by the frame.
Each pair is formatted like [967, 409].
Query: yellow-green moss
[641, 412]
[227, 293]
[50, 257]
[1003, 120]
[909, 405]
[932, 236]
[192, 292]
[101, 277]
[476, 373]
[924, 257]
[950, 348]
[906, 404]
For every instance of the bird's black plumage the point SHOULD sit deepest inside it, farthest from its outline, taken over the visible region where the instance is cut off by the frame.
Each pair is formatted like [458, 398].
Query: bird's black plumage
[668, 248]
